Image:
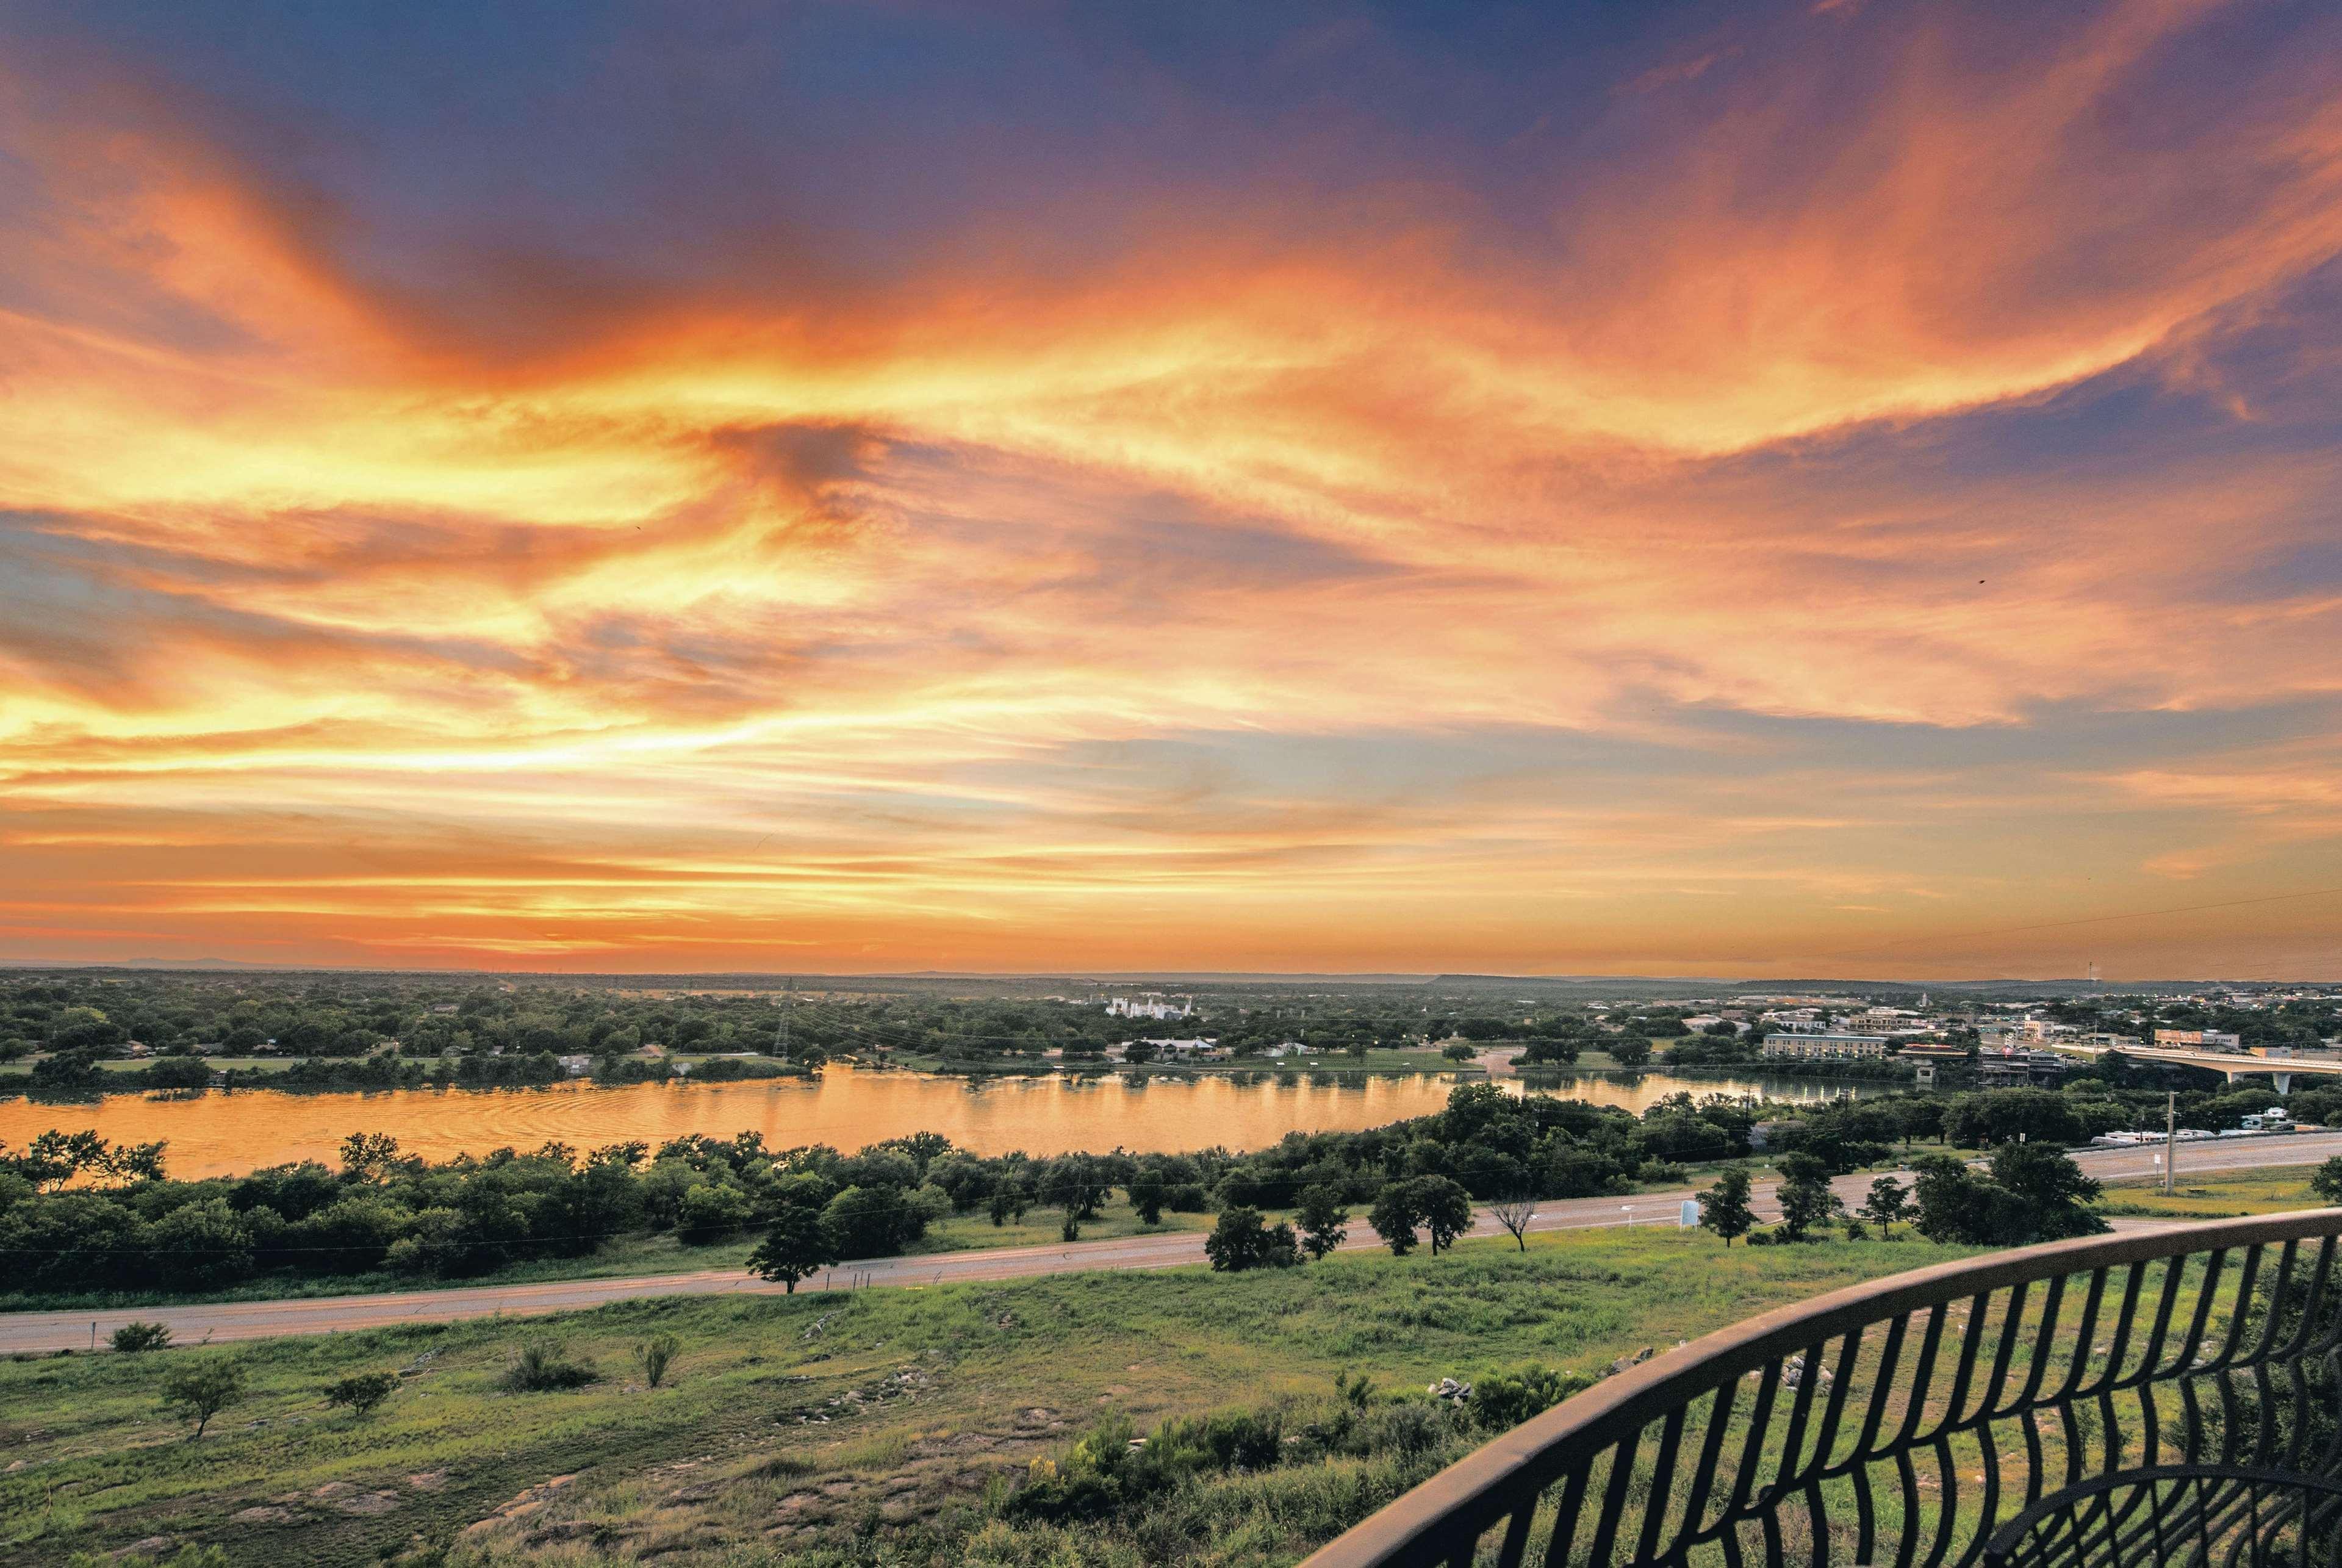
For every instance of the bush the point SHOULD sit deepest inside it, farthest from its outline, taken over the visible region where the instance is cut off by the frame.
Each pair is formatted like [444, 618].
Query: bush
[539, 1367]
[362, 1393]
[134, 1337]
[653, 1356]
[1504, 1401]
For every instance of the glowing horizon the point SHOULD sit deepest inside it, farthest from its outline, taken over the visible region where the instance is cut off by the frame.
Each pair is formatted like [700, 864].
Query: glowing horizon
[1783, 490]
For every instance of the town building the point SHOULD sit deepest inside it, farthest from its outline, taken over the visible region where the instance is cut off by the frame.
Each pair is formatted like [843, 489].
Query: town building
[1191, 1049]
[2197, 1040]
[1151, 1005]
[1810, 1047]
[2014, 1069]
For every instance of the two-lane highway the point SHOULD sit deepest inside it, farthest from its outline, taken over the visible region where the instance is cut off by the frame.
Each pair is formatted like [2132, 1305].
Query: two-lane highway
[35, 1332]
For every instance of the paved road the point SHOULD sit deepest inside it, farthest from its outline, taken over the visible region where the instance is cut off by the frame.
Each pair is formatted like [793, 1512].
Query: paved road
[32, 1332]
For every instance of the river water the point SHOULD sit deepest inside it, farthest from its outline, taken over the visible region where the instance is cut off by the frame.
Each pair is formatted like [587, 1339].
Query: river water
[219, 1133]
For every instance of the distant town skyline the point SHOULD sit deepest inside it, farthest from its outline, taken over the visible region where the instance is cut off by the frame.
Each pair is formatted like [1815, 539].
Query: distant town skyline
[1733, 490]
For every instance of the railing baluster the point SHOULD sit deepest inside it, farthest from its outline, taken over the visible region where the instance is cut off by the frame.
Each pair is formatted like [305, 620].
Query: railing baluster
[1663, 1476]
[1565, 1516]
[1614, 1496]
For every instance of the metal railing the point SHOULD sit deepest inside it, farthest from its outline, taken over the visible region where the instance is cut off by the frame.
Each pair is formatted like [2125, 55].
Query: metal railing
[2064, 1388]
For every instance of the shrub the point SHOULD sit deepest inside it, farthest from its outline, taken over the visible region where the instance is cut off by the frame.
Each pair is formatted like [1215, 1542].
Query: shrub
[539, 1367]
[1504, 1401]
[653, 1356]
[362, 1393]
[134, 1337]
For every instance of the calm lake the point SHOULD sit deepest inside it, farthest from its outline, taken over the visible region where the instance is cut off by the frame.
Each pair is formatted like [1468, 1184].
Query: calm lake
[216, 1133]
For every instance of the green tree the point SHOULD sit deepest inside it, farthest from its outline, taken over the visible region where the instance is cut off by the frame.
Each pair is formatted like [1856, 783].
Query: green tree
[1324, 1222]
[1804, 1196]
[871, 1222]
[1445, 1207]
[711, 1211]
[1724, 1209]
[1010, 1199]
[797, 1244]
[1890, 1201]
[1242, 1240]
[1395, 1217]
[369, 1156]
[2327, 1180]
[1147, 1190]
[1076, 1183]
[199, 1389]
[1629, 1049]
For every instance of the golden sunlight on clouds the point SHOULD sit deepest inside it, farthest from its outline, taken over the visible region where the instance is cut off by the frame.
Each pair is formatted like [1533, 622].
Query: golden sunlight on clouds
[1677, 586]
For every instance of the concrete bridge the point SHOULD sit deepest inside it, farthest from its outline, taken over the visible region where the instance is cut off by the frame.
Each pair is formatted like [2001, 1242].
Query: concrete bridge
[2280, 1068]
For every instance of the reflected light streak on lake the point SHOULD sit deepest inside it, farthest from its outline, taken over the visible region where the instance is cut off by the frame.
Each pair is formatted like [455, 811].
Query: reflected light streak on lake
[218, 1134]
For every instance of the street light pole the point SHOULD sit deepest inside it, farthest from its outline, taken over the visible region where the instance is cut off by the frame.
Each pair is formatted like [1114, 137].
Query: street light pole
[2170, 1136]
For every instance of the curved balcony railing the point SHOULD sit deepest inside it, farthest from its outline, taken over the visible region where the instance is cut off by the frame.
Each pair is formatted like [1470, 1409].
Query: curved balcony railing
[2167, 1397]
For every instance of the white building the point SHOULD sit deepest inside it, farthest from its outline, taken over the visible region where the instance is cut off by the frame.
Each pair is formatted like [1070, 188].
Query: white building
[1152, 1005]
[1188, 1049]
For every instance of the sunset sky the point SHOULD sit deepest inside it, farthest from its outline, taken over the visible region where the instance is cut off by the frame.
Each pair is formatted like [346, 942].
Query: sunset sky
[1804, 489]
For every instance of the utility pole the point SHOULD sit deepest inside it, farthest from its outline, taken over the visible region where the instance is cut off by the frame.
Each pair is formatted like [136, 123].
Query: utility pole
[2170, 1136]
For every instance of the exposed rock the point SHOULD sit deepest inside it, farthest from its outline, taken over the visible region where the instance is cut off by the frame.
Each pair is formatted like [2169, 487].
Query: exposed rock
[368, 1503]
[427, 1479]
[334, 1489]
[153, 1546]
[262, 1514]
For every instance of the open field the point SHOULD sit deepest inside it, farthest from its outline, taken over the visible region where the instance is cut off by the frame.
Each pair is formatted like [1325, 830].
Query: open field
[795, 1424]
[2216, 1196]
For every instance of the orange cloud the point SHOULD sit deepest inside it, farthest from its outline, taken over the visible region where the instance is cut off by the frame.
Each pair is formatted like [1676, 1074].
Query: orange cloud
[1185, 602]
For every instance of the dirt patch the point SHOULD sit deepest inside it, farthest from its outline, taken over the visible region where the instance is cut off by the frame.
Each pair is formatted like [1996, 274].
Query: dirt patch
[528, 1501]
[262, 1514]
[367, 1503]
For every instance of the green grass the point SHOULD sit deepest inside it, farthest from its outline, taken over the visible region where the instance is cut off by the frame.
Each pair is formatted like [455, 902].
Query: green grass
[2215, 1197]
[793, 1423]
[23, 1064]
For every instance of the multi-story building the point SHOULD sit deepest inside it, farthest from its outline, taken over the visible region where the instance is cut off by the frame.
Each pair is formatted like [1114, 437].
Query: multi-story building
[1810, 1047]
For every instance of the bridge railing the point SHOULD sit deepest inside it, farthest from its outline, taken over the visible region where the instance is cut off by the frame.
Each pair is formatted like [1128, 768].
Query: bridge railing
[1904, 1421]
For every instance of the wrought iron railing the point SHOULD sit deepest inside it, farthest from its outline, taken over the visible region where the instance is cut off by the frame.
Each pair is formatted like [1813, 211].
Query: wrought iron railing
[2125, 1399]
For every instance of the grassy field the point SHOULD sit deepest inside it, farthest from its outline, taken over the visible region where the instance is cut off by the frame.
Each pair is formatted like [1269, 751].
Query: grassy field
[2216, 1197]
[23, 1064]
[865, 1429]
